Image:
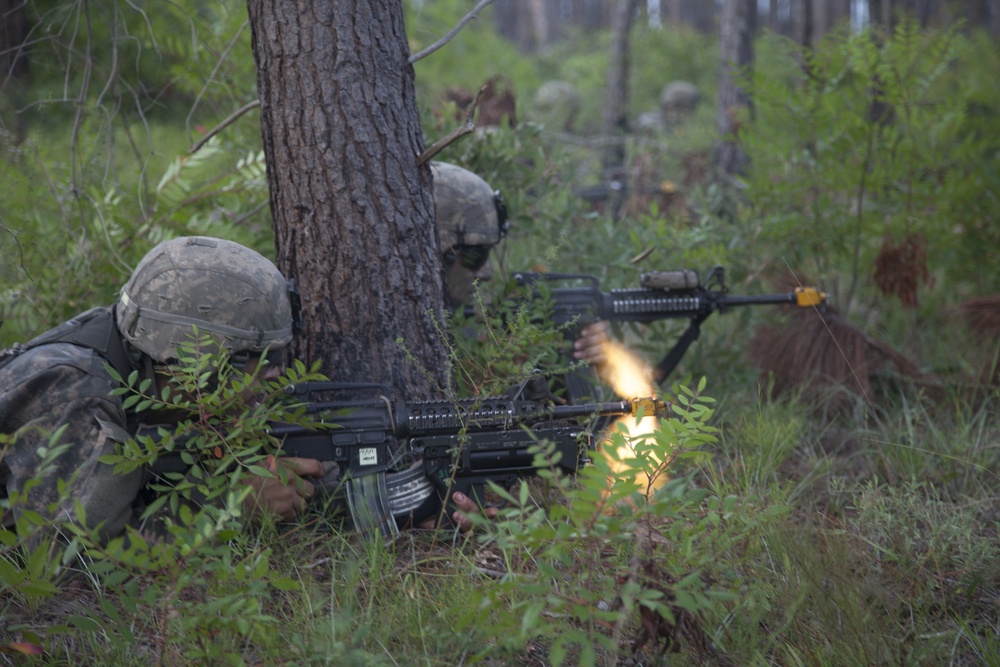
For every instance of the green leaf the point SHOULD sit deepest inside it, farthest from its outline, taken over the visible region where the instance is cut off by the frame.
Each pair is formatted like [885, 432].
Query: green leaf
[259, 471]
[85, 623]
[557, 653]
[285, 584]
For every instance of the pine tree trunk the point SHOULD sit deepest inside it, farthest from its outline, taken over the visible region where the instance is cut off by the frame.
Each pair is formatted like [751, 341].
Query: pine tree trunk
[353, 213]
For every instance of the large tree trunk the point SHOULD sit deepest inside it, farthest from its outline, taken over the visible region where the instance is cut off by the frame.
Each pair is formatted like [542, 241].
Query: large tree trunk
[353, 213]
[734, 102]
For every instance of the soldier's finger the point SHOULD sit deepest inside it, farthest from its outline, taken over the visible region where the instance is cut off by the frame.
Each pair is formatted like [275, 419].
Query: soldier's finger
[303, 467]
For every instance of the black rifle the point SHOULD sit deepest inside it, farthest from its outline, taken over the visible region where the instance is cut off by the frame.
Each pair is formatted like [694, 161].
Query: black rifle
[462, 444]
[662, 295]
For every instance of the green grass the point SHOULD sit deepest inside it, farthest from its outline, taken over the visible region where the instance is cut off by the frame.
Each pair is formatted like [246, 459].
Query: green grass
[825, 557]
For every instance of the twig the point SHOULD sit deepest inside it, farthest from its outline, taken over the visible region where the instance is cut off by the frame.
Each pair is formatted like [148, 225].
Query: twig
[211, 77]
[447, 38]
[468, 126]
[221, 126]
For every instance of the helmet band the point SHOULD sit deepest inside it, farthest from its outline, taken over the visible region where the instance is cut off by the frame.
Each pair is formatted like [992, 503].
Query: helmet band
[257, 339]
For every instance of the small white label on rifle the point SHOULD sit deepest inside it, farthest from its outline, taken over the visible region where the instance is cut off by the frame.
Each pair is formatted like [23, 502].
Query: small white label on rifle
[367, 456]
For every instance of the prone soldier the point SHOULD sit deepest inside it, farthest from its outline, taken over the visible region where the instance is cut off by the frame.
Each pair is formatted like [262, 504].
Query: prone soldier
[55, 390]
[57, 385]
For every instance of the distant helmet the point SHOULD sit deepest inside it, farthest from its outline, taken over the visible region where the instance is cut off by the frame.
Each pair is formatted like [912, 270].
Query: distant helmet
[469, 211]
[677, 100]
[223, 288]
[557, 105]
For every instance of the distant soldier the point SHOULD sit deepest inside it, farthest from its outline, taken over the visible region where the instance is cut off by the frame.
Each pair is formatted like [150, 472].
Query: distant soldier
[678, 100]
[556, 105]
[472, 219]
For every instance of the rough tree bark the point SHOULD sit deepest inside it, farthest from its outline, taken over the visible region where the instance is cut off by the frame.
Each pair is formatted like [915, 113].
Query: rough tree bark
[737, 28]
[353, 213]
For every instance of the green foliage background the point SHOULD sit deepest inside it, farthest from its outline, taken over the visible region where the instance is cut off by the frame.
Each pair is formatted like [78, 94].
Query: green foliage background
[868, 538]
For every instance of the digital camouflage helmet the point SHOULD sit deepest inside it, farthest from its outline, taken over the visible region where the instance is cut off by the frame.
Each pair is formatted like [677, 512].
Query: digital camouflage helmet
[221, 287]
[469, 211]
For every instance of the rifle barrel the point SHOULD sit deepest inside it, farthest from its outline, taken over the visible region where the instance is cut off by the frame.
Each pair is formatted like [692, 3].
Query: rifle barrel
[757, 299]
[649, 406]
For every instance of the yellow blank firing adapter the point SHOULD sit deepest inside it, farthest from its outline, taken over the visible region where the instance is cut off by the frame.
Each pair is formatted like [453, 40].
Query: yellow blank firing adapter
[809, 296]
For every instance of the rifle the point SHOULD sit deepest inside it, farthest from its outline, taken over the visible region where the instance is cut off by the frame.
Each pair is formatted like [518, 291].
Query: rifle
[662, 295]
[462, 443]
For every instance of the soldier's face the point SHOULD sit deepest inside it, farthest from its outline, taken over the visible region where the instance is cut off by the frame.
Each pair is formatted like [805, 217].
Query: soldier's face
[465, 269]
[262, 369]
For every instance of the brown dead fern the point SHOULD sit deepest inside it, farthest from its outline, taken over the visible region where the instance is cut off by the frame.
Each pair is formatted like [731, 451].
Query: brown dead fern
[982, 316]
[820, 355]
[901, 268]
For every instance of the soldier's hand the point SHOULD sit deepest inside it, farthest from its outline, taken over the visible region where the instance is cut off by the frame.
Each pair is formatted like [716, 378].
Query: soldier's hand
[467, 506]
[460, 517]
[285, 499]
[590, 346]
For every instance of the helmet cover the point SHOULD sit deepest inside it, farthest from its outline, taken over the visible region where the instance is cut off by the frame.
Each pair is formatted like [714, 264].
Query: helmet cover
[469, 212]
[221, 287]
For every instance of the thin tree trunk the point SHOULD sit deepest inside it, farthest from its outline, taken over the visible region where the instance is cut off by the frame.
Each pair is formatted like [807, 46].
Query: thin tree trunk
[13, 66]
[803, 21]
[674, 16]
[820, 17]
[353, 213]
[734, 101]
[616, 101]
[702, 15]
[880, 13]
[772, 16]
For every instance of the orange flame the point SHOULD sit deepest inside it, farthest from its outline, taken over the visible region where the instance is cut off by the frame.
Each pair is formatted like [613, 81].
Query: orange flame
[630, 377]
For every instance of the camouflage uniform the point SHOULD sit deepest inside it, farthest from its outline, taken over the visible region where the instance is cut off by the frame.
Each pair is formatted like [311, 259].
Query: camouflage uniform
[59, 379]
[44, 389]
